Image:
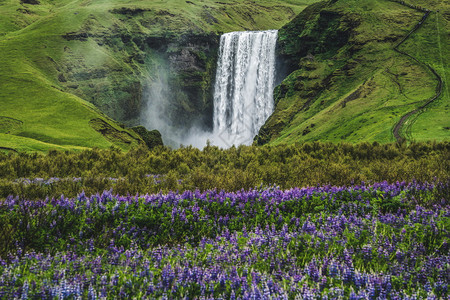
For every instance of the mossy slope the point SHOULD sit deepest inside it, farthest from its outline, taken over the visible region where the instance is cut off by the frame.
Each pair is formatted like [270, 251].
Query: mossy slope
[347, 82]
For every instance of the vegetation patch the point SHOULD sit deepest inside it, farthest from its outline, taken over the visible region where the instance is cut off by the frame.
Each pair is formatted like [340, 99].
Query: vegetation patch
[151, 138]
[110, 133]
[9, 125]
[161, 169]
[33, 2]
[132, 11]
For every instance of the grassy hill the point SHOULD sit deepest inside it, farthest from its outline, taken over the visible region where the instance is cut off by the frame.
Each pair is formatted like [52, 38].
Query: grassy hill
[37, 113]
[60, 57]
[70, 68]
[348, 83]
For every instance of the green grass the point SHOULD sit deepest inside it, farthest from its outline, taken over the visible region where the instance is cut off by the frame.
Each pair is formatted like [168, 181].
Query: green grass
[434, 121]
[47, 80]
[371, 85]
[52, 118]
[49, 116]
[15, 143]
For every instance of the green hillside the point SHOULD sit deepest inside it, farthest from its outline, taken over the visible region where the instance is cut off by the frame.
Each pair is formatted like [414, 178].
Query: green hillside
[348, 83]
[70, 70]
[37, 114]
[65, 63]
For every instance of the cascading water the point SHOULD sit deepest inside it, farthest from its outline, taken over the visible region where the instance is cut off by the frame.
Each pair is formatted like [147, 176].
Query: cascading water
[243, 96]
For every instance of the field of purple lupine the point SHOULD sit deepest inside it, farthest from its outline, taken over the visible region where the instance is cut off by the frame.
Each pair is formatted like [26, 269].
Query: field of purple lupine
[378, 241]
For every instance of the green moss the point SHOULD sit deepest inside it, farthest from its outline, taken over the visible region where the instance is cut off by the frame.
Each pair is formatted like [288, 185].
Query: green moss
[151, 138]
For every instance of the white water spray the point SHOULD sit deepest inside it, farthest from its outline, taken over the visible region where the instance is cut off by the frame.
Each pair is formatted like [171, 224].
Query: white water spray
[243, 96]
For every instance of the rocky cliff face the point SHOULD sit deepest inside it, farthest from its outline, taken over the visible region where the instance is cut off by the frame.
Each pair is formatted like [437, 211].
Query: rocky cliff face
[192, 60]
[120, 90]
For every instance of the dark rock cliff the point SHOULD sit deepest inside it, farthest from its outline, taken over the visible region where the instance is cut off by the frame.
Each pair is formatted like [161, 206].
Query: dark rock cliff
[121, 90]
[191, 71]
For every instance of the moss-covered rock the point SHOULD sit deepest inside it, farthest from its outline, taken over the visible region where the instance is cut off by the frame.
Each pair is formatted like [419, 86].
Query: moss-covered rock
[152, 138]
[111, 133]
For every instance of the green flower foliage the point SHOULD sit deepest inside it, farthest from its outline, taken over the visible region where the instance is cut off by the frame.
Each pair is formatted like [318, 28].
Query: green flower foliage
[262, 241]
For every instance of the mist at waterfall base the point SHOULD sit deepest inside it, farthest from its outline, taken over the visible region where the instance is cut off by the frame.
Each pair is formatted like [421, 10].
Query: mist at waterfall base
[243, 94]
[158, 113]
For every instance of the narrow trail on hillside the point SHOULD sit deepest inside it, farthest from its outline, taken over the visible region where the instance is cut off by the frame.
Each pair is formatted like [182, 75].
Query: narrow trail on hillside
[397, 130]
[440, 50]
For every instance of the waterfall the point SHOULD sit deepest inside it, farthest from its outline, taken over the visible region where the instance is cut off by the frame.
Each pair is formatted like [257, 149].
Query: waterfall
[243, 95]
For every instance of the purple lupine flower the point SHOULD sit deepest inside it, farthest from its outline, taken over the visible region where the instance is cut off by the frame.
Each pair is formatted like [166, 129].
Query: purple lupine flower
[25, 290]
[92, 295]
